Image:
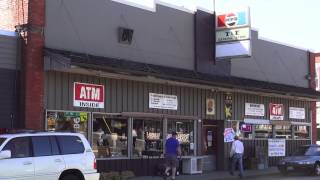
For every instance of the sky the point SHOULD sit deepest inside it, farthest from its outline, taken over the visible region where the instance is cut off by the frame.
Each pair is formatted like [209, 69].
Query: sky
[292, 22]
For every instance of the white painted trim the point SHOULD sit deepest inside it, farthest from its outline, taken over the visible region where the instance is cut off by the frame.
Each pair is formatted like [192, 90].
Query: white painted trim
[181, 8]
[159, 2]
[130, 3]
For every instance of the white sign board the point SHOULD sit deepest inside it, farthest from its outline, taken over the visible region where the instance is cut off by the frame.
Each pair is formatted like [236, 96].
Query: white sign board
[297, 113]
[276, 147]
[234, 49]
[233, 34]
[163, 101]
[252, 109]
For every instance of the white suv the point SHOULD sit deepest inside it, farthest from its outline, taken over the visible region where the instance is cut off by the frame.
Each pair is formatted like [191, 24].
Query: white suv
[46, 156]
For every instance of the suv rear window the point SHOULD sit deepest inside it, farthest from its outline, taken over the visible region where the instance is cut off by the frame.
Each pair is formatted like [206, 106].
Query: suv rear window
[2, 140]
[70, 145]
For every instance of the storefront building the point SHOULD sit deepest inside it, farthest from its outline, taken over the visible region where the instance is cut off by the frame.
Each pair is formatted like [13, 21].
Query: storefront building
[130, 118]
[126, 86]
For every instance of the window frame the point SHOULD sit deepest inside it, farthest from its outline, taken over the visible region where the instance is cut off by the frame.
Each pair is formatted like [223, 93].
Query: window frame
[31, 154]
[309, 129]
[193, 122]
[110, 116]
[162, 132]
[33, 148]
[88, 131]
[4, 140]
[60, 144]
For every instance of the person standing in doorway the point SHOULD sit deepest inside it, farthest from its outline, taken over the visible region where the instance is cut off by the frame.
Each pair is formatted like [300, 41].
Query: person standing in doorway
[236, 155]
[172, 152]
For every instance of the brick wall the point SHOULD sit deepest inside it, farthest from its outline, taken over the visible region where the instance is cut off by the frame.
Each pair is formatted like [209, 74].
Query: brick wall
[13, 12]
[33, 68]
[312, 84]
[31, 12]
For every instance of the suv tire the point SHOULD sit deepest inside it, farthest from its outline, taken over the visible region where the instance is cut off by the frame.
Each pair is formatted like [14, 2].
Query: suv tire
[316, 170]
[70, 177]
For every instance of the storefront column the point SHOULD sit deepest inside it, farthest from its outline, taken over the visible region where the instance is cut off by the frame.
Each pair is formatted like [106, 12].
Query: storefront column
[33, 68]
[165, 133]
[198, 140]
[130, 138]
[313, 116]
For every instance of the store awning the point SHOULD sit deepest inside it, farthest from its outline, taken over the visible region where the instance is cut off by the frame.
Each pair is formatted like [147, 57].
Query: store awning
[256, 121]
[59, 60]
[300, 123]
[281, 123]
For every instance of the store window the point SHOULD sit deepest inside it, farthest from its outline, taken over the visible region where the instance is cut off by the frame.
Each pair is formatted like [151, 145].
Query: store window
[283, 131]
[263, 131]
[147, 137]
[246, 130]
[185, 135]
[19, 147]
[301, 132]
[110, 137]
[68, 121]
[250, 131]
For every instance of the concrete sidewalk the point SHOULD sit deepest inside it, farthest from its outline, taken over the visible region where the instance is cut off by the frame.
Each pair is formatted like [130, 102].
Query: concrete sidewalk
[215, 175]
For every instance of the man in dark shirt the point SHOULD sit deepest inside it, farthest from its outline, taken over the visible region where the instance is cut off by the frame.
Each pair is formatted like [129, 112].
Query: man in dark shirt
[172, 151]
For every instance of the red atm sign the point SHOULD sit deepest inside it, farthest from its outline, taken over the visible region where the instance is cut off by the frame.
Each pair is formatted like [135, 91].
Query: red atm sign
[88, 95]
[276, 111]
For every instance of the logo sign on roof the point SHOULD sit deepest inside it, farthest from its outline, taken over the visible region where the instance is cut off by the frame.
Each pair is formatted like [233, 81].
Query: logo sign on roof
[233, 34]
[233, 19]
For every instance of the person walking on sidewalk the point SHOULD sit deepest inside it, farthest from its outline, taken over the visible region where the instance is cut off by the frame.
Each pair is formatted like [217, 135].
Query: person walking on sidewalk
[171, 155]
[236, 155]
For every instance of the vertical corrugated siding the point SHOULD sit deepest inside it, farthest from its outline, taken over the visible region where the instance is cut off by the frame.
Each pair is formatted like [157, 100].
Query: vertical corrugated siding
[133, 96]
[251, 146]
[9, 52]
[121, 95]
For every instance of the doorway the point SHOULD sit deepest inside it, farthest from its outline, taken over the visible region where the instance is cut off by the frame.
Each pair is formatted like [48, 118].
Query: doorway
[210, 144]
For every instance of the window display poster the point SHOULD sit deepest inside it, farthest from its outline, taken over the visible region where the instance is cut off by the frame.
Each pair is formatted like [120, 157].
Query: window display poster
[163, 101]
[211, 110]
[228, 135]
[276, 111]
[228, 106]
[252, 109]
[297, 113]
[245, 127]
[276, 147]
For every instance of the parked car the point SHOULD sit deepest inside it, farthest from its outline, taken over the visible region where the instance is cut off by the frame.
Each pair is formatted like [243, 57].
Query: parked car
[46, 155]
[305, 158]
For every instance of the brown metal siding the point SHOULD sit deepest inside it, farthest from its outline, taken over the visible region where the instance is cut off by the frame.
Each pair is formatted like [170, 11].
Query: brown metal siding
[251, 145]
[132, 96]
[122, 95]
